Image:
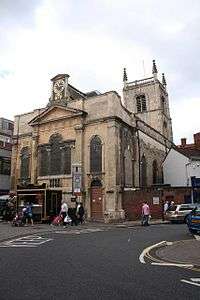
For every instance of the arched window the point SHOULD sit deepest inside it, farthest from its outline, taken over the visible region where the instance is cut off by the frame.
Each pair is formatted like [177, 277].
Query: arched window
[141, 103]
[44, 161]
[155, 172]
[55, 161]
[143, 171]
[128, 168]
[55, 157]
[25, 162]
[95, 155]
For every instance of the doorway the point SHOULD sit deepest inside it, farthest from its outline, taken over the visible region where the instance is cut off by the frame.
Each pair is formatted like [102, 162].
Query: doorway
[96, 200]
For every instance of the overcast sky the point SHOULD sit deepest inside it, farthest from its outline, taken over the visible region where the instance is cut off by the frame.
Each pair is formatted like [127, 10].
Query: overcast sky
[92, 41]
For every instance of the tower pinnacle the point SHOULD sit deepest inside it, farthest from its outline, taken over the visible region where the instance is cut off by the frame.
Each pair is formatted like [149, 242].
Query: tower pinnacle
[154, 69]
[125, 77]
[164, 80]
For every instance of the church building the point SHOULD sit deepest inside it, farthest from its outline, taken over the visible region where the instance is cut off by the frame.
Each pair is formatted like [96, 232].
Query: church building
[91, 147]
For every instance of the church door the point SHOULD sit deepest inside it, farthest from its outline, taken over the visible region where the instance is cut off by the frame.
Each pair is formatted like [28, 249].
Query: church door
[96, 203]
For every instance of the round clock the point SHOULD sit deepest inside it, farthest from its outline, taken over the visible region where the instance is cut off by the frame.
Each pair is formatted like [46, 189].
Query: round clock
[59, 86]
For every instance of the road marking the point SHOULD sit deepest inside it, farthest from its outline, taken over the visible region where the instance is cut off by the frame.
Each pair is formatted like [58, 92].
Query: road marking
[27, 241]
[146, 250]
[173, 264]
[76, 231]
[197, 237]
[194, 281]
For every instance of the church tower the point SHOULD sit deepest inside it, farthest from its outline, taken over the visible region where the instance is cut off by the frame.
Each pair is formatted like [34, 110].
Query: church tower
[148, 99]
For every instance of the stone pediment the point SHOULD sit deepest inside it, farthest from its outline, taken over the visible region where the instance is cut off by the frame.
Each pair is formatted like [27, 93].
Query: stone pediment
[56, 112]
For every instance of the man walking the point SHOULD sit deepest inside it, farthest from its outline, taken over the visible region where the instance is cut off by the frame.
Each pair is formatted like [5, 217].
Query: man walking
[145, 214]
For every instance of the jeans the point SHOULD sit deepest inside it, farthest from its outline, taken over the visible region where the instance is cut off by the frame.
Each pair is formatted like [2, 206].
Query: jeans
[145, 220]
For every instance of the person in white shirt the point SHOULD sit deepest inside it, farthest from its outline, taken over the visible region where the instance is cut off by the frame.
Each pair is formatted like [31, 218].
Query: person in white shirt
[64, 210]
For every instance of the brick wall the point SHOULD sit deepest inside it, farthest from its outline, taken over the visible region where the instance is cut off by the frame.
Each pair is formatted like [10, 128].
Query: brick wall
[132, 200]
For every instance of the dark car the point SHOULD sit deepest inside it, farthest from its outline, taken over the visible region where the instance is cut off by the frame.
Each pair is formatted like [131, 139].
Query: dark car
[193, 220]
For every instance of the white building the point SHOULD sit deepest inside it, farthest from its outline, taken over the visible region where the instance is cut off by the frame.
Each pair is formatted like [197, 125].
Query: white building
[178, 168]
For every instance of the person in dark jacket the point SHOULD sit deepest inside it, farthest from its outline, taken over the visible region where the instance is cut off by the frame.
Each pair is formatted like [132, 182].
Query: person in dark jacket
[80, 212]
[72, 215]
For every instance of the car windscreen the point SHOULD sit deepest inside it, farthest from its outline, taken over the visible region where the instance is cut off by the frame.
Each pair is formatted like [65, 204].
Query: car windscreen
[182, 208]
[172, 208]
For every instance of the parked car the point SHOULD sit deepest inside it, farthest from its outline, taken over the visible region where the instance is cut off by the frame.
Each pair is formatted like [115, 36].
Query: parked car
[179, 213]
[193, 220]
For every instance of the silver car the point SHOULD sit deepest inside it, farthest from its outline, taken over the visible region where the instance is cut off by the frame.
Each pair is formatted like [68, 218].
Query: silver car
[179, 213]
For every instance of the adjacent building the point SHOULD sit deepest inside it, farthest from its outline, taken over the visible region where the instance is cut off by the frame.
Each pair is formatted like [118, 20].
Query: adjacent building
[181, 167]
[92, 146]
[6, 133]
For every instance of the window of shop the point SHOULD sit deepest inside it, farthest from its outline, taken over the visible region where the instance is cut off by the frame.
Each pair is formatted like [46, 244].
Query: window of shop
[5, 166]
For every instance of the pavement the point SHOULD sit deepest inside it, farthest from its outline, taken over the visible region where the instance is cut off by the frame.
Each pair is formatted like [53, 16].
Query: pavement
[7, 231]
[185, 251]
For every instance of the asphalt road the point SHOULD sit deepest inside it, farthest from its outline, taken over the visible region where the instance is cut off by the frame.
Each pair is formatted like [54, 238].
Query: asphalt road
[93, 265]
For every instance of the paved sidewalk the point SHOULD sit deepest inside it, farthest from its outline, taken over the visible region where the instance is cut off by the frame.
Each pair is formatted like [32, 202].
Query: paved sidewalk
[186, 252]
[7, 231]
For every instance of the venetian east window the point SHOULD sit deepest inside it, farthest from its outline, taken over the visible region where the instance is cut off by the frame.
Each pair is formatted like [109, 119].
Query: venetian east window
[55, 157]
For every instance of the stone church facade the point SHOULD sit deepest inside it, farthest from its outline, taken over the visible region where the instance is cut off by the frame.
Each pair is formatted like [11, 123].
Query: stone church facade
[94, 146]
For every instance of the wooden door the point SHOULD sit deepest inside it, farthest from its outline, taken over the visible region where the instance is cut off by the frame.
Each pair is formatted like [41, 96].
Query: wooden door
[96, 203]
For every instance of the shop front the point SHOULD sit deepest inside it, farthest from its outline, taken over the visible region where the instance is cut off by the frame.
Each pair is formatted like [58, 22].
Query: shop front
[46, 202]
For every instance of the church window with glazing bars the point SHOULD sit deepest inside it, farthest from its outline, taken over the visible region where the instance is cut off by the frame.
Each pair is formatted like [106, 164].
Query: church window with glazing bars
[25, 163]
[155, 172]
[96, 155]
[55, 157]
[141, 103]
[143, 171]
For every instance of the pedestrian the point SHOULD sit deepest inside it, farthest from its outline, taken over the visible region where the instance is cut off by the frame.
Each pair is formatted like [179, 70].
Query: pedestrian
[80, 212]
[166, 206]
[28, 213]
[64, 210]
[73, 216]
[145, 214]
[165, 209]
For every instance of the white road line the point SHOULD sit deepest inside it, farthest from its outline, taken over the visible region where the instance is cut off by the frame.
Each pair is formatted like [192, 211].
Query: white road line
[190, 282]
[197, 237]
[195, 279]
[172, 264]
[27, 241]
[145, 251]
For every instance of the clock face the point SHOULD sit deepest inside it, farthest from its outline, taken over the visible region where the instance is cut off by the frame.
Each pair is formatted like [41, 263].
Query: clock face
[59, 86]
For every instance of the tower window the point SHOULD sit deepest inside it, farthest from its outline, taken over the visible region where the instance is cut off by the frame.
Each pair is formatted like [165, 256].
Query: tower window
[141, 103]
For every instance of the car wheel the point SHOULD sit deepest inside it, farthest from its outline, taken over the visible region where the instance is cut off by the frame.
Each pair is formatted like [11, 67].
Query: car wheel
[186, 220]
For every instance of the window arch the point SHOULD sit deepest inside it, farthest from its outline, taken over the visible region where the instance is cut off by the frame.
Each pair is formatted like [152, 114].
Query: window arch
[155, 172]
[143, 170]
[25, 163]
[141, 103]
[55, 160]
[95, 155]
[55, 157]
